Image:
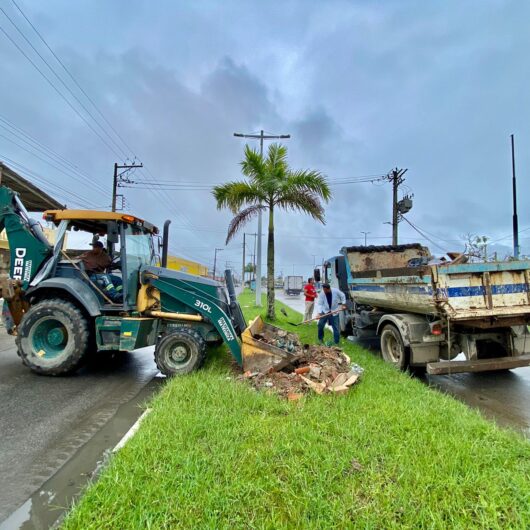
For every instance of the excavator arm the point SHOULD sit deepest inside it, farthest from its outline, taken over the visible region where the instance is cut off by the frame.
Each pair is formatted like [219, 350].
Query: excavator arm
[28, 248]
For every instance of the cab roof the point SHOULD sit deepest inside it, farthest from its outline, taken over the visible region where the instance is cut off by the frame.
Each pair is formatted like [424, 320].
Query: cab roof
[96, 221]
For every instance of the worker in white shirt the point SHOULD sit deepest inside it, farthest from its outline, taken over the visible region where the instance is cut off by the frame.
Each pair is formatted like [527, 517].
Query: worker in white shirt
[329, 300]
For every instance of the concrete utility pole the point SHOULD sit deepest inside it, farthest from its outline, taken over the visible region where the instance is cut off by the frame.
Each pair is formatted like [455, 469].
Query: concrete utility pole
[215, 260]
[515, 220]
[243, 270]
[365, 234]
[117, 179]
[261, 137]
[396, 177]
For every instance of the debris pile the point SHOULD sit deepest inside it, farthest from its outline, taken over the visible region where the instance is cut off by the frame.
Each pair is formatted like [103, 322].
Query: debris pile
[314, 368]
[281, 339]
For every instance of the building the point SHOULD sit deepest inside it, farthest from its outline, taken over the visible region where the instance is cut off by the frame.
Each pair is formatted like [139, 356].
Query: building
[186, 265]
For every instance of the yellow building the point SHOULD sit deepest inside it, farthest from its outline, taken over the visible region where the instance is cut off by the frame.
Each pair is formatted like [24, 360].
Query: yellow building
[186, 265]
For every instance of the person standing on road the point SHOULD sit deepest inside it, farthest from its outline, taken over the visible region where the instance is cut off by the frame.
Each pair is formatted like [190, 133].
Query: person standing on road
[328, 300]
[310, 295]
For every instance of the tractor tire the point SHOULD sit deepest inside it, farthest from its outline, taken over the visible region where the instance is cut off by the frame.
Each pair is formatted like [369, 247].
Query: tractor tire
[392, 348]
[180, 352]
[53, 337]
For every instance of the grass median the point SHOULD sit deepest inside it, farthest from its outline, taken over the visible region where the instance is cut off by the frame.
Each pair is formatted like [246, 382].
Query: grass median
[391, 453]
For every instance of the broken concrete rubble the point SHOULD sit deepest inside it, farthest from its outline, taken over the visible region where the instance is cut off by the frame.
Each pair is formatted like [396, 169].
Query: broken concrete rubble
[318, 369]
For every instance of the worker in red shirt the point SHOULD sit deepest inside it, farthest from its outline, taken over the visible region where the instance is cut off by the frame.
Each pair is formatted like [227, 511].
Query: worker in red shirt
[310, 295]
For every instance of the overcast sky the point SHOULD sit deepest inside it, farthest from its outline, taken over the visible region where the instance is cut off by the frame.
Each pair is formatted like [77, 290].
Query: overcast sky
[362, 87]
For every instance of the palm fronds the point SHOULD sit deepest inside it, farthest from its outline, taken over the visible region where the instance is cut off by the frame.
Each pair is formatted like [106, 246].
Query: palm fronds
[302, 201]
[242, 218]
[234, 195]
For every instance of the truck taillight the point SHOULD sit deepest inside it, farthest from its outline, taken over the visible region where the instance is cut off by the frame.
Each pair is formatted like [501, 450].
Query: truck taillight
[436, 329]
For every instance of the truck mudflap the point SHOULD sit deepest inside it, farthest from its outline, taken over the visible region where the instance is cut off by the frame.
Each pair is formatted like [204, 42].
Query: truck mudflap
[478, 365]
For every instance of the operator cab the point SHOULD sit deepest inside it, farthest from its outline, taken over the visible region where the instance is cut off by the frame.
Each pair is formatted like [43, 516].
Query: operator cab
[128, 241]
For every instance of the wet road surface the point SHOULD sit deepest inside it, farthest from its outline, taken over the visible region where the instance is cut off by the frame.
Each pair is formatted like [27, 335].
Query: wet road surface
[45, 421]
[503, 397]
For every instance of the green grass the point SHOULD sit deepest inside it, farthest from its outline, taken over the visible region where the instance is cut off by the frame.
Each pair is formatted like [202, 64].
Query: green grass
[216, 454]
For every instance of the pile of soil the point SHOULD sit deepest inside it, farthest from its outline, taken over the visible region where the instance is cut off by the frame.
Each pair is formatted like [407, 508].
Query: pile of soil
[319, 369]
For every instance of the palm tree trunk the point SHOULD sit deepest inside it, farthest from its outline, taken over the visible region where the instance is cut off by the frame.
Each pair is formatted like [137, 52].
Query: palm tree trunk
[270, 266]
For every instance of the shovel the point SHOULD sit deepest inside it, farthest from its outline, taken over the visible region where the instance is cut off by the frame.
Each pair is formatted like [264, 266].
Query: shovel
[311, 319]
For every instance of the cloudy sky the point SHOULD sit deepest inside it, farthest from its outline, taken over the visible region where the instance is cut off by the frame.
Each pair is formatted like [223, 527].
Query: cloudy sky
[362, 87]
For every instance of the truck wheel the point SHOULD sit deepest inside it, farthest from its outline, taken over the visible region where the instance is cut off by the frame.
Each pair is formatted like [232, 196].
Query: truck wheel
[180, 352]
[53, 337]
[392, 347]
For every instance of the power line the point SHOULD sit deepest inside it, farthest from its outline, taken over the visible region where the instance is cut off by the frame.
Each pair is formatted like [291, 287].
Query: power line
[52, 153]
[422, 234]
[73, 78]
[57, 90]
[51, 185]
[68, 171]
[52, 70]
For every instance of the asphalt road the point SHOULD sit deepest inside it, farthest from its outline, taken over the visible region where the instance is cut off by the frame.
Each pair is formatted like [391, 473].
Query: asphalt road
[44, 421]
[503, 397]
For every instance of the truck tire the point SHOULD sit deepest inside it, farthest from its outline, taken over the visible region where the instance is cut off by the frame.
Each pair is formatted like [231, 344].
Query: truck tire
[392, 348]
[180, 352]
[53, 337]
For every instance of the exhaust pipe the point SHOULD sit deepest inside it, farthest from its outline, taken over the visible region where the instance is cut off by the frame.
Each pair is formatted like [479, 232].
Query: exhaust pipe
[238, 320]
[165, 243]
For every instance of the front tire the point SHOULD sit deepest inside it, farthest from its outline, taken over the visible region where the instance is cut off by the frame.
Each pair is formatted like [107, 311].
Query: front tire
[53, 337]
[393, 349]
[180, 352]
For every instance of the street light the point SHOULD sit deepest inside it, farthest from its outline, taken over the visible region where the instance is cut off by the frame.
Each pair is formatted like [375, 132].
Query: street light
[261, 137]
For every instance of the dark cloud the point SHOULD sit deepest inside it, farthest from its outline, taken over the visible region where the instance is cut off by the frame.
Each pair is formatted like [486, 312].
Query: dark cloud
[361, 88]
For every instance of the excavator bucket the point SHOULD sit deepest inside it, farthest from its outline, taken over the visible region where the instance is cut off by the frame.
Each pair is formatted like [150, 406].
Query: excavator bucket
[266, 347]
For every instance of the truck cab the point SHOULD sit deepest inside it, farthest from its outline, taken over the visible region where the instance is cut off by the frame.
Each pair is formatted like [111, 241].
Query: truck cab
[130, 246]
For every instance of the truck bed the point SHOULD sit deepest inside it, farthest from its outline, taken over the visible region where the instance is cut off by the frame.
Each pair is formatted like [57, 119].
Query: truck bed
[470, 292]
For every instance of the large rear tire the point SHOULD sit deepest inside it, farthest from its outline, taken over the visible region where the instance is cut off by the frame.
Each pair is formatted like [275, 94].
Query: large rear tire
[53, 337]
[393, 349]
[180, 352]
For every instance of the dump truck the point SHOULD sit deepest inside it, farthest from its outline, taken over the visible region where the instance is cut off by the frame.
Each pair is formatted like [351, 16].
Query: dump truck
[63, 315]
[444, 317]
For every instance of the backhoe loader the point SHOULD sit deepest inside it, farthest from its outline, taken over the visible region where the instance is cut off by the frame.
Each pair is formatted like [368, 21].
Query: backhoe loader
[62, 315]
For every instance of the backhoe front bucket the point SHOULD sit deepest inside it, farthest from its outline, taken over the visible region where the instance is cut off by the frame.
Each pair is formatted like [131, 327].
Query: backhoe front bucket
[259, 355]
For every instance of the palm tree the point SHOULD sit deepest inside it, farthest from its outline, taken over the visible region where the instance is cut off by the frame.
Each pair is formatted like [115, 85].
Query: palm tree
[271, 185]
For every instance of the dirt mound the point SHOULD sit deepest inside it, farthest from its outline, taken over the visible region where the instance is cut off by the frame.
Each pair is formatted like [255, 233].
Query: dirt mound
[314, 368]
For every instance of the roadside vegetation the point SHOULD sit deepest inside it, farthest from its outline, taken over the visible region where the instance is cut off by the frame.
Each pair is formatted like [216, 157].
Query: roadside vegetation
[391, 453]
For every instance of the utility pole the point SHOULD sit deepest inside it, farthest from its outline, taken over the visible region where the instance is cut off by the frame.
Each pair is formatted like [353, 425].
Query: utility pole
[396, 177]
[261, 137]
[117, 179]
[515, 220]
[365, 234]
[243, 270]
[215, 260]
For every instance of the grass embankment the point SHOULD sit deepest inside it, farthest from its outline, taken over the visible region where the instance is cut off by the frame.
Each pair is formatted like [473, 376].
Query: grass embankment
[216, 454]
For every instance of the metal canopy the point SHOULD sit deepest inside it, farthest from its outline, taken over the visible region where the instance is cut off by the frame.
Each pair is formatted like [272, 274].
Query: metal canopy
[33, 198]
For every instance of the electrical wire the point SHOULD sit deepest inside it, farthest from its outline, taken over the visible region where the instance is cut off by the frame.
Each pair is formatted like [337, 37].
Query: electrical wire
[58, 91]
[52, 70]
[68, 172]
[78, 199]
[422, 234]
[73, 78]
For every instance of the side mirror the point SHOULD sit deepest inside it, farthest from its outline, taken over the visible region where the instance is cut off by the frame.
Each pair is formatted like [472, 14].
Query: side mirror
[316, 275]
